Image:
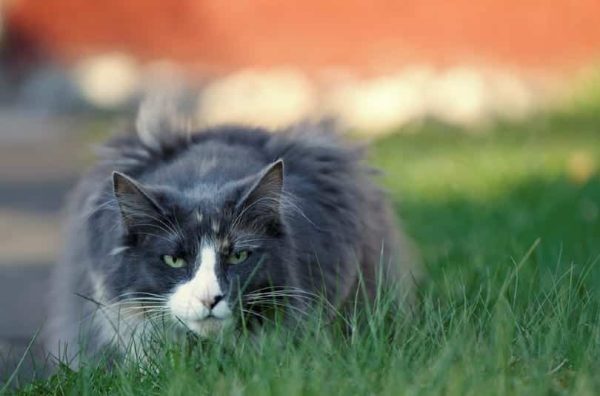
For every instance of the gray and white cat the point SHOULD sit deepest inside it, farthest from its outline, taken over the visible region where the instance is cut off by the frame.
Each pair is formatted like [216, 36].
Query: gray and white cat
[194, 228]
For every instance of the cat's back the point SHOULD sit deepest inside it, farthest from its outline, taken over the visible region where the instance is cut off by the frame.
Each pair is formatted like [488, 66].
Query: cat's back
[222, 154]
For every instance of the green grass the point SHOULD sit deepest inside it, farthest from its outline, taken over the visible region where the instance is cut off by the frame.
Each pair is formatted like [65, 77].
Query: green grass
[508, 222]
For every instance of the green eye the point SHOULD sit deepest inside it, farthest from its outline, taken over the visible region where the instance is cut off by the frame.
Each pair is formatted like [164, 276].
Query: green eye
[238, 257]
[173, 262]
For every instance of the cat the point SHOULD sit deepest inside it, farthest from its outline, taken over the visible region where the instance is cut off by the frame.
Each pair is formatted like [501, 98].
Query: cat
[194, 227]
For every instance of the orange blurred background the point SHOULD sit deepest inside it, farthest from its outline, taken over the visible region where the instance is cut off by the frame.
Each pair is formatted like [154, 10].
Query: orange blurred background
[370, 36]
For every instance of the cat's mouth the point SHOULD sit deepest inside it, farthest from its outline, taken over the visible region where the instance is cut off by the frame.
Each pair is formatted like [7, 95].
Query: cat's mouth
[196, 315]
[208, 326]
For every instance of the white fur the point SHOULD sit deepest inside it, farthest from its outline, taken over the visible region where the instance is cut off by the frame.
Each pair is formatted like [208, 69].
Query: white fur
[159, 114]
[118, 250]
[191, 302]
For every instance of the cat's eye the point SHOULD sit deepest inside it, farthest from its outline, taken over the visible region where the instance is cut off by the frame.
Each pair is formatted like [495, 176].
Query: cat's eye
[173, 262]
[238, 257]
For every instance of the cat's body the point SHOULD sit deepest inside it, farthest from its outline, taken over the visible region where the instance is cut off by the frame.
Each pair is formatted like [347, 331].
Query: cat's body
[192, 227]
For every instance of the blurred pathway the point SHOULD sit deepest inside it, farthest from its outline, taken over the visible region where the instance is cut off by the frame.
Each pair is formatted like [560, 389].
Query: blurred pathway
[39, 161]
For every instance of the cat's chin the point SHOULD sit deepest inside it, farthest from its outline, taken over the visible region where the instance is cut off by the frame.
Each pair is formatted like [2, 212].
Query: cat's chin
[207, 327]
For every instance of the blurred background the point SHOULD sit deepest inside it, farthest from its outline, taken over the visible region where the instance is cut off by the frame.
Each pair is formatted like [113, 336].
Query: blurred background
[70, 70]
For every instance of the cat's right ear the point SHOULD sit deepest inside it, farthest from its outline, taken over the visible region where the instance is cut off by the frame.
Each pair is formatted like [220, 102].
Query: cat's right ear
[136, 205]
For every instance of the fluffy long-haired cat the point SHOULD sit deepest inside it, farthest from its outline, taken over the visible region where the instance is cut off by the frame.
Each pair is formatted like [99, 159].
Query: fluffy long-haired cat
[196, 228]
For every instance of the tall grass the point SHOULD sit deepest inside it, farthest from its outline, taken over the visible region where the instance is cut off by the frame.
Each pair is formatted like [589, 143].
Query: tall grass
[509, 228]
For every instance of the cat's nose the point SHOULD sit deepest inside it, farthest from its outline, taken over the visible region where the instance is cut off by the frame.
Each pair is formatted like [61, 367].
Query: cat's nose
[211, 303]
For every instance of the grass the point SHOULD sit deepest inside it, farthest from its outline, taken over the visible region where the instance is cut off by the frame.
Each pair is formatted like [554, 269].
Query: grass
[508, 222]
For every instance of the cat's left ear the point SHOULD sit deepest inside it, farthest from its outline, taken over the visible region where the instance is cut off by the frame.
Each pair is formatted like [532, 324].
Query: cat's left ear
[263, 199]
[136, 205]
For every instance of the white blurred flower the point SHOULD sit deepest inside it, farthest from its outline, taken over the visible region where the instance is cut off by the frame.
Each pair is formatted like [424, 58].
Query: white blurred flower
[108, 80]
[459, 96]
[273, 98]
[384, 102]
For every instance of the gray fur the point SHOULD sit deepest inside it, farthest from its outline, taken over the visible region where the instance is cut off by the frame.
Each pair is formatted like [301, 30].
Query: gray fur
[301, 197]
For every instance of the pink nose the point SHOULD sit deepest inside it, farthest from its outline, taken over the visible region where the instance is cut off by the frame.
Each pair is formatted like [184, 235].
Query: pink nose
[211, 302]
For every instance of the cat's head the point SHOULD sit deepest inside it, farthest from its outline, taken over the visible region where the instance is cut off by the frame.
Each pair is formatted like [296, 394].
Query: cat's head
[193, 255]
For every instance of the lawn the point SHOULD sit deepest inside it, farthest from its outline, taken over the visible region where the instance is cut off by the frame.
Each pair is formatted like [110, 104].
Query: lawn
[508, 223]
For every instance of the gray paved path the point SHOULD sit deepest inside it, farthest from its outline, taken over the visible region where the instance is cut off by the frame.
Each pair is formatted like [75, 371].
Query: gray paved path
[39, 161]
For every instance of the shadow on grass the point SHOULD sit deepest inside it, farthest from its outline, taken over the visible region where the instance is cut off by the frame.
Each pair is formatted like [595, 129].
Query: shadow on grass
[467, 243]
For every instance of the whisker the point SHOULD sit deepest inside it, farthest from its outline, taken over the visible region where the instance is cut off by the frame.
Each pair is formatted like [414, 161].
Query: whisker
[254, 313]
[270, 302]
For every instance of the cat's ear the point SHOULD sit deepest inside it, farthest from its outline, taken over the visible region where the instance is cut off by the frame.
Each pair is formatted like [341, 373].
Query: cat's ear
[136, 205]
[263, 199]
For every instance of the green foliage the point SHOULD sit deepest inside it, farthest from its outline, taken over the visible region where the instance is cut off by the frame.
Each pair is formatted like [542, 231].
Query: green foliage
[508, 222]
